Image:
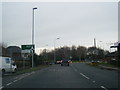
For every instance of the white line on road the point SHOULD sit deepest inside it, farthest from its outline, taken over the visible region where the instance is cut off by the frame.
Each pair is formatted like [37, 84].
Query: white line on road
[1, 87]
[15, 80]
[103, 87]
[33, 72]
[16, 77]
[19, 78]
[9, 83]
[84, 75]
[28, 74]
[93, 81]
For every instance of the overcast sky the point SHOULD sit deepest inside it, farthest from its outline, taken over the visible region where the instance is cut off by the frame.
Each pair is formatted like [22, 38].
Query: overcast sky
[75, 23]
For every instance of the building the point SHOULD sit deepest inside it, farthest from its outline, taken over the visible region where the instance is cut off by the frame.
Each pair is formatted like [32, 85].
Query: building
[14, 52]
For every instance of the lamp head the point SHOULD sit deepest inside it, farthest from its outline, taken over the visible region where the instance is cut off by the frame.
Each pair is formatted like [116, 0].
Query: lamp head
[35, 8]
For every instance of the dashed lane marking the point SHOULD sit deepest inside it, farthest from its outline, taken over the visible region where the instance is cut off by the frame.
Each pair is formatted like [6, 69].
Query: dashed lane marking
[104, 87]
[9, 83]
[84, 76]
[15, 80]
[1, 87]
[16, 77]
[33, 72]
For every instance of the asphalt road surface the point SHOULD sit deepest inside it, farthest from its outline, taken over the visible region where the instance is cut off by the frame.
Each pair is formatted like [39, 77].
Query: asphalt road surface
[77, 75]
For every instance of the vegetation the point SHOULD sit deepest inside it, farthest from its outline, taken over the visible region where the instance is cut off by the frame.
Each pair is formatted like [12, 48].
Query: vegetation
[22, 71]
[74, 53]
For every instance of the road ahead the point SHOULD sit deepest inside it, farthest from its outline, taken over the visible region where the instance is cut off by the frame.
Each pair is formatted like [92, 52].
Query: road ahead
[77, 75]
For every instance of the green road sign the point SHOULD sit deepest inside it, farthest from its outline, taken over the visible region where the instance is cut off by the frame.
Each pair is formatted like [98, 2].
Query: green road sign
[27, 47]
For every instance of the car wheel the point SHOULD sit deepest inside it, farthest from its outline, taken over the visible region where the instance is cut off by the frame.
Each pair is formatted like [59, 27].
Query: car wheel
[14, 70]
[3, 71]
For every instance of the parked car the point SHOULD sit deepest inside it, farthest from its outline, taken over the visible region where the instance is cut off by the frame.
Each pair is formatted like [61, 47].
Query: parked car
[65, 62]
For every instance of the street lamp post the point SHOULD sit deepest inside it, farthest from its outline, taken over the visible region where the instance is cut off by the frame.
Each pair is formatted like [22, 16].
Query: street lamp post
[33, 37]
[46, 52]
[54, 50]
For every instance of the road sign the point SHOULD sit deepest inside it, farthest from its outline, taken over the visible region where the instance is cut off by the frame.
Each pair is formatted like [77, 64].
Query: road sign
[27, 47]
[26, 51]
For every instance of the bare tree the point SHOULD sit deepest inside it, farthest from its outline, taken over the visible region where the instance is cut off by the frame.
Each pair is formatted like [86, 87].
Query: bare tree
[3, 47]
[81, 52]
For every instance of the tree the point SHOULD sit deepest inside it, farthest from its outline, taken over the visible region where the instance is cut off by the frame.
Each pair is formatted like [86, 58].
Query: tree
[95, 53]
[81, 52]
[3, 50]
[74, 53]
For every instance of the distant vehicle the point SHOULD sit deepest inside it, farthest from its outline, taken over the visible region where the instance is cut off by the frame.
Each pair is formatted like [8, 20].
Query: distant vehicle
[95, 61]
[69, 61]
[7, 65]
[65, 62]
[51, 63]
[58, 62]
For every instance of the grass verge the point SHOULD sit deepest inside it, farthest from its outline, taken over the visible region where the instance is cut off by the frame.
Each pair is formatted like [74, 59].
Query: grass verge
[103, 64]
[109, 65]
[30, 69]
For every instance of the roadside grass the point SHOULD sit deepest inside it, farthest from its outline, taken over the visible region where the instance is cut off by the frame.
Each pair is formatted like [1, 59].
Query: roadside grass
[109, 65]
[23, 71]
[78, 61]
[92, 64]
[104, 64]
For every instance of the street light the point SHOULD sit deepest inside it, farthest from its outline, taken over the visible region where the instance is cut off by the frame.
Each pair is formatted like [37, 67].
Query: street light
[54, 49]
[33, 37]
[46, 52]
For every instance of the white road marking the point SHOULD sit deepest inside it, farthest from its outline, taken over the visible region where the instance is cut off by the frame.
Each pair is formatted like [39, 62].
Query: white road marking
[19, 78]
[103, 87]
[15, 80]
[16, 77]
[33, 72]
[84, 76]
[23, 74]
[9, 83]
[93, 81]
[1, 87]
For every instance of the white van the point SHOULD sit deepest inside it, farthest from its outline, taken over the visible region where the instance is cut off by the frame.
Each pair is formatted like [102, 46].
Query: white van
[7, 65]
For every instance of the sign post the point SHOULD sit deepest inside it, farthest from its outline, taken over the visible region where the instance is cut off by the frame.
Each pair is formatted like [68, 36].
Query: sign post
[28, 49]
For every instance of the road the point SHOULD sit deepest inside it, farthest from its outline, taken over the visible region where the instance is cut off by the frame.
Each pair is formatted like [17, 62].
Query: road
[77, 75]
